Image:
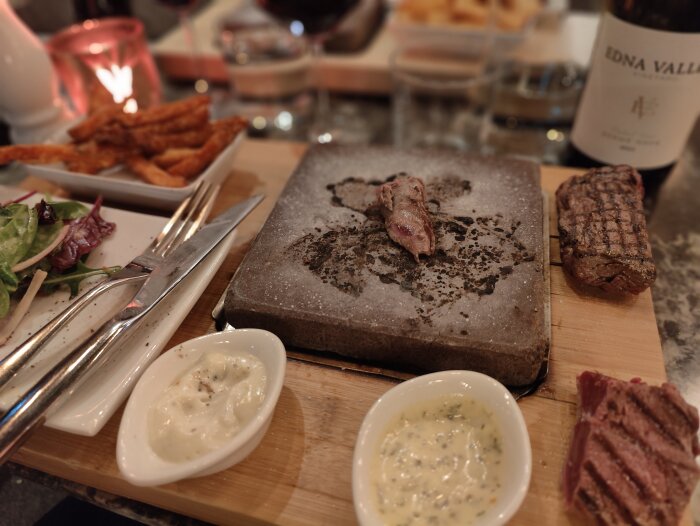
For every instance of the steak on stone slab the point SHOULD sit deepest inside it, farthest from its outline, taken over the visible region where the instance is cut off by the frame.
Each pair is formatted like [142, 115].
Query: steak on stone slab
[402, 203]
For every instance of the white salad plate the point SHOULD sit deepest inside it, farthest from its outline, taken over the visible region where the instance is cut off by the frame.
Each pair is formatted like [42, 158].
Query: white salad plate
[140, 464]
[119, 184]
[517, 453]
[103, 391]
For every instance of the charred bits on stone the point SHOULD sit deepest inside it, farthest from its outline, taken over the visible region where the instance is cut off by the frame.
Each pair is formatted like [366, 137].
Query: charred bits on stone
[471, 256]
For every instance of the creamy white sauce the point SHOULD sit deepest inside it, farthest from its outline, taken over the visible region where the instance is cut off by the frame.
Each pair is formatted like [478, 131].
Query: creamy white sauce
[438, 463]
[207, 405]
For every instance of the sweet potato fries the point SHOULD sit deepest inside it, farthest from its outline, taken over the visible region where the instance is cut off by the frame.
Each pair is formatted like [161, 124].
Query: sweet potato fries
[164, 145]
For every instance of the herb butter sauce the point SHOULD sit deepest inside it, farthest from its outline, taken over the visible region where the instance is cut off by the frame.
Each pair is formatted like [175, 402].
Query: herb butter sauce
[207, 405]
[438, 463]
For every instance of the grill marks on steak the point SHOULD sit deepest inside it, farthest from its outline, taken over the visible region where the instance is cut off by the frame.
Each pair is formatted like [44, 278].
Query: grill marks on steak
[632, 455]
[402, 204]
[602, 231]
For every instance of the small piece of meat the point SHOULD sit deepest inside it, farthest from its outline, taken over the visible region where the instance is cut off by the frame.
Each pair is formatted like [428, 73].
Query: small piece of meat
[602, 231]
[402, 204]
[632, 454]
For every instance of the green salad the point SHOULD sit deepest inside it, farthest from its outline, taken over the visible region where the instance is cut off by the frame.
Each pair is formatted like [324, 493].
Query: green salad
[42, 247]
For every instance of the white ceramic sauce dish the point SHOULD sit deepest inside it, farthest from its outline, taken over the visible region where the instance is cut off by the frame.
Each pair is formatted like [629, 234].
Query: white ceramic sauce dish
[140, 464]
[517, 454]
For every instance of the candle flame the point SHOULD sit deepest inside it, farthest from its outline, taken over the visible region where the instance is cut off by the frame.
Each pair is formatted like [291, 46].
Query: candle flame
[131, 106]
[119, 82]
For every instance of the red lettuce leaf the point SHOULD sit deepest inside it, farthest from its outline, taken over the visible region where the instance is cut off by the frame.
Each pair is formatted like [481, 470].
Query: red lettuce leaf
[19, 199]
[84, 235]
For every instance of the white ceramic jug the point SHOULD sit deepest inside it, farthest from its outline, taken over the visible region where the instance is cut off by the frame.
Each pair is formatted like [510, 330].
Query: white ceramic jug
[29, 96]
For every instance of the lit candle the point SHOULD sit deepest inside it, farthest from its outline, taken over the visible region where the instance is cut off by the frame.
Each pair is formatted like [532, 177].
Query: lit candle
[104, 62]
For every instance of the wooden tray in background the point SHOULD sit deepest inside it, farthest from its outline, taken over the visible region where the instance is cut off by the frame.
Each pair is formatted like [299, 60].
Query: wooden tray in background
[368, 71]
[301, 473]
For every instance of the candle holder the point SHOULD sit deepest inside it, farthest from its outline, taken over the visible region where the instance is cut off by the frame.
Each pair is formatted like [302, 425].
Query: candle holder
[106, 61]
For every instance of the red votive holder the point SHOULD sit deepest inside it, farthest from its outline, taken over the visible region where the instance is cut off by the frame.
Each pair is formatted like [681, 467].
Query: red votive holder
[106, 61]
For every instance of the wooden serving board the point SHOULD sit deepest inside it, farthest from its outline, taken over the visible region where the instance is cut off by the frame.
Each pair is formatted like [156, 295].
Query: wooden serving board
[301, 472]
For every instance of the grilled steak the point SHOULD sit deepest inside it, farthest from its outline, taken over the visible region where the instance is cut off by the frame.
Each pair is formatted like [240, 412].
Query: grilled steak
[402, 204]
[602, 232]
[632, 455]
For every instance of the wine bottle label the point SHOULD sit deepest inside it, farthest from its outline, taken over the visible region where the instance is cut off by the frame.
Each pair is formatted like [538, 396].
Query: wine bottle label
[642, 95]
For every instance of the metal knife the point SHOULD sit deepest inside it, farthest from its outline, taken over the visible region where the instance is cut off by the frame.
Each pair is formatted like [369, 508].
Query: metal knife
[30, 410]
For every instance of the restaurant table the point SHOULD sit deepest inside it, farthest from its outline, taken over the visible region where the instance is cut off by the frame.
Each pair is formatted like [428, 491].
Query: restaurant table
[366, 71]
[301, 472]
[674, 228]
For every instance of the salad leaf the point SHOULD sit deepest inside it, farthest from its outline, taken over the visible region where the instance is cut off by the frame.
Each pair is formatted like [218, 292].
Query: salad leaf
[84, 236]
[8, 277]
[26, 231]
[45, 234]
[17, 231]
[19, 199]
[4, 300]
[73, 279]
[68, 210]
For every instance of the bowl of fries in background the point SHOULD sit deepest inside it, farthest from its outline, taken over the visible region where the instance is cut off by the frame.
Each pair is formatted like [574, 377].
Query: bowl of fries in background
[463, 26]
[153, 157]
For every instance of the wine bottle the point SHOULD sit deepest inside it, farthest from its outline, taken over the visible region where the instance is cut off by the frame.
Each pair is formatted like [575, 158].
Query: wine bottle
[87, 9]
[640, 100]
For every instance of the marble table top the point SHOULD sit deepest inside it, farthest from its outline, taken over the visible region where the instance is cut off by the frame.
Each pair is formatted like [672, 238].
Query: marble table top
[674, 228]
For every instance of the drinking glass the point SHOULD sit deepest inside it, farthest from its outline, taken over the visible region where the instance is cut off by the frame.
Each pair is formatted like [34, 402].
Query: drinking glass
[106, 61]
[440, 98]
[269, 69]
[532, 110]
[317, 20]
[184, 13]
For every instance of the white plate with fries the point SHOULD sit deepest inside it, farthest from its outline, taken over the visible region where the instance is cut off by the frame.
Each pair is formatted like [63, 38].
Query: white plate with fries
[463, 26]
[154, 157]
[103, 391]
[121, 185]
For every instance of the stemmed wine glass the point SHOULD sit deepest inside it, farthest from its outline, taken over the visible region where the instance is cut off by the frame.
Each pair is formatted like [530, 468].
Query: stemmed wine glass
[316, 20]
[184, 8]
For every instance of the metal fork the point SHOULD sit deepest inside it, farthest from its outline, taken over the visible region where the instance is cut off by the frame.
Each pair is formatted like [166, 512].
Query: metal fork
[186, 220]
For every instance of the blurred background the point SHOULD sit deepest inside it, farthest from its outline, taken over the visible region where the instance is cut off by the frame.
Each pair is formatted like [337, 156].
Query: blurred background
[525, 80]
